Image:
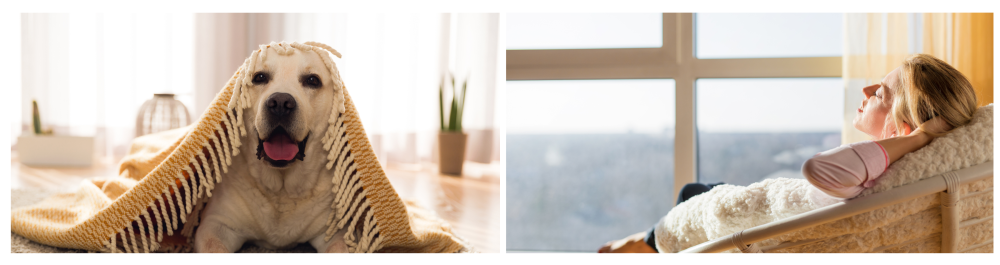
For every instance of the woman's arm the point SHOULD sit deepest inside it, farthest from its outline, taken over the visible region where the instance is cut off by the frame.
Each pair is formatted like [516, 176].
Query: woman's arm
[845, 171]
[896, 147]
[840, 172]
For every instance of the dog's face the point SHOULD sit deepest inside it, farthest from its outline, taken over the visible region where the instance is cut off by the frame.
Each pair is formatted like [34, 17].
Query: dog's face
[293, 98]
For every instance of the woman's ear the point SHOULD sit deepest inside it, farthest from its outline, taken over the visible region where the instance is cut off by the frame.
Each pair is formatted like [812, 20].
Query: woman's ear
[906, 129]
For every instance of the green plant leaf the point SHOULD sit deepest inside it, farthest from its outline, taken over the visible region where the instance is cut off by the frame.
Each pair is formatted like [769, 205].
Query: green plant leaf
[441, 103]
[453, 114]
[452, 124]
[35, 117]
[461, 108]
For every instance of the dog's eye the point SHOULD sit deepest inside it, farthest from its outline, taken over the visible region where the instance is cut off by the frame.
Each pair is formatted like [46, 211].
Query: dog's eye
[312, 81]
[260, 78]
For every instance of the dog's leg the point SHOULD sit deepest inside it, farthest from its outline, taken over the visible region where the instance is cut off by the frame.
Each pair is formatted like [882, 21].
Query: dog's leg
[214, 237]
[335, 245]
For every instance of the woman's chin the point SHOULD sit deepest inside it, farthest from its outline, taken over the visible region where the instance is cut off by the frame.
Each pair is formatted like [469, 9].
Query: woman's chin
[862, 129]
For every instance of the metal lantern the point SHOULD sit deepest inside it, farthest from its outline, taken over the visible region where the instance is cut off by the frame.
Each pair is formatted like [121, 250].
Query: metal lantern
[161, 113]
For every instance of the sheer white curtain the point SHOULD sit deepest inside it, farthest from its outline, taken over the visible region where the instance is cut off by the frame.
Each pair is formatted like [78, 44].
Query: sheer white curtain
[500, 114]
[392, 65]
[91, 72]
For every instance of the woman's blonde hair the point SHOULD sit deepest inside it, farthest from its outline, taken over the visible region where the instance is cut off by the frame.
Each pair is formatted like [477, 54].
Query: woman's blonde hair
[928, 88]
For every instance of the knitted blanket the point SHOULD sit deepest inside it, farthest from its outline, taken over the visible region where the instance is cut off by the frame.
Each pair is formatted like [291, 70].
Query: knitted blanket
[168, 177]
[28, 196]
[912, 226]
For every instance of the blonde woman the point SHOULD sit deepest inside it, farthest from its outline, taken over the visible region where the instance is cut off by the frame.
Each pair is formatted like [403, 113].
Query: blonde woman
[922, 99]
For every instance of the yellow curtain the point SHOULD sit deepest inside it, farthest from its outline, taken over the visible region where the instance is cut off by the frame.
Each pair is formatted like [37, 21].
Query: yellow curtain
[875, 44]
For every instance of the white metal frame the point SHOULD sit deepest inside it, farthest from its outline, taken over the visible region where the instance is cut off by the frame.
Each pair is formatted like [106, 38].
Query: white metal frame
[674, 60]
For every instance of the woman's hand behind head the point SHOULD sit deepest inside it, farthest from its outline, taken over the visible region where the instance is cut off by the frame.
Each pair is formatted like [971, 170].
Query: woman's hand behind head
[934, 127]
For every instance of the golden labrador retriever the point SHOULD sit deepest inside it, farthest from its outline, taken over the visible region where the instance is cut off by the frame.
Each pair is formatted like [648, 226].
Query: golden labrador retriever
[277, 194]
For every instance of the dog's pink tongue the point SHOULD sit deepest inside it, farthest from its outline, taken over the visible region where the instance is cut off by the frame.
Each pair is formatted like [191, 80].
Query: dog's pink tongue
[280, 147]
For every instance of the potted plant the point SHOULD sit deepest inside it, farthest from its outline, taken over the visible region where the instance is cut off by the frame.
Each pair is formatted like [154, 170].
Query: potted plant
[451, 139]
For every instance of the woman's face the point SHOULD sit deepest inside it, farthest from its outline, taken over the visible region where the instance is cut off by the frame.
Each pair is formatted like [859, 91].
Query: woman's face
[875, 108]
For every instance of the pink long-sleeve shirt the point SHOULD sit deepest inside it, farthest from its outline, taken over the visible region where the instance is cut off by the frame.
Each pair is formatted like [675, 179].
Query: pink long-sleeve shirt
[845, 171]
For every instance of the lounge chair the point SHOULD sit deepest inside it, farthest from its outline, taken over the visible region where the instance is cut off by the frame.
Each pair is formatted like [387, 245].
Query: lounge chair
[960, 207]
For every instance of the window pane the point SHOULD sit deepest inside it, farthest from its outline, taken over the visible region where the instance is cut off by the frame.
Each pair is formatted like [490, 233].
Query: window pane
[760, 128]
[767, 35]
[587, 161]
[583, 31]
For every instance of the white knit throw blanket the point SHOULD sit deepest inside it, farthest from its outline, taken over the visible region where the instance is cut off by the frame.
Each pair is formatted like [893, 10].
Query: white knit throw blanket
[727, 209]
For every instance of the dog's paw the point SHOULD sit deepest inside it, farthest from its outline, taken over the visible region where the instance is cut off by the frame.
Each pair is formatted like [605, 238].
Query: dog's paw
[214, 245]
[337, 246]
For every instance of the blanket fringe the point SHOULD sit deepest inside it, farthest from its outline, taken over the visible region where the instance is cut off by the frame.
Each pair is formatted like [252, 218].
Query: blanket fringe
[351, 206]
[114, 241]
[130, 242]
[214, 159]
[189, 184]
[226, 140]
[183, 201]
[159, 221]
[202, 186]
[236, 131]
[206, 180]
[219, 150]
[143, 233]
[173, 193]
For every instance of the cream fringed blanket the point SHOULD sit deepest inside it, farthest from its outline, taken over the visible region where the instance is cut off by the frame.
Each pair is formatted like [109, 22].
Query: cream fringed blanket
[912, 226]
[168, 177]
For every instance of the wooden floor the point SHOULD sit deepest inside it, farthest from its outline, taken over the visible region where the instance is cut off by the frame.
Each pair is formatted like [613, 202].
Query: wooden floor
[473, 203]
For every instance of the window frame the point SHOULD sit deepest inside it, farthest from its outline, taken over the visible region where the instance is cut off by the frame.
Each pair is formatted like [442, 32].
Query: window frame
[674, 60]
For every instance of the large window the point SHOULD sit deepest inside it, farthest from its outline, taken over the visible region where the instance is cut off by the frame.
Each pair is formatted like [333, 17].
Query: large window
[748, 101]
[751, 129]
[583, 31]
[587, 155]
[768, 35]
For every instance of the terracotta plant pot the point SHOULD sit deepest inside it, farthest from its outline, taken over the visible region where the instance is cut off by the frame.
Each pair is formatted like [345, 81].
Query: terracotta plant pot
[451, 148]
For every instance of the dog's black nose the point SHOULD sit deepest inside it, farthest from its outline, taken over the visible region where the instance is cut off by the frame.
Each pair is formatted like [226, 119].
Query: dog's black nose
[280, 104]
